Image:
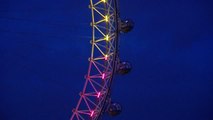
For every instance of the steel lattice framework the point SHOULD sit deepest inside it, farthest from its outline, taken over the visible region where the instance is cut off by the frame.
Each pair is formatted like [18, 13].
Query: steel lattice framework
[102, 62]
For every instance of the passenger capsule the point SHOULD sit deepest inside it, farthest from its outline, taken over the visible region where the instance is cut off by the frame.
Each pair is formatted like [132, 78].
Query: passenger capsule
[126, 26]
[114, 109]
[124, 68]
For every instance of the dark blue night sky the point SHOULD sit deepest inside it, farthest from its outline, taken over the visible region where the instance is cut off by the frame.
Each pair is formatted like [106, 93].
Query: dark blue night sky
[44, 48]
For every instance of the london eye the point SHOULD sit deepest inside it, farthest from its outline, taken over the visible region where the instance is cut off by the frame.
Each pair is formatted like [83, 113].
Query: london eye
[104, 62]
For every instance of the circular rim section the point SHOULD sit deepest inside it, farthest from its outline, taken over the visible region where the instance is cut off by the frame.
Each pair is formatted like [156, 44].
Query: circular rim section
[102, 62]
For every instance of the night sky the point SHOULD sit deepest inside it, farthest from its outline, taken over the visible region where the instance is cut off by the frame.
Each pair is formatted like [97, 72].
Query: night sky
[44, 50]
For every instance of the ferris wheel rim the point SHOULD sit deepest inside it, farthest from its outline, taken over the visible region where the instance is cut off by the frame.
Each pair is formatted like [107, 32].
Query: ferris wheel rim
[113, 58]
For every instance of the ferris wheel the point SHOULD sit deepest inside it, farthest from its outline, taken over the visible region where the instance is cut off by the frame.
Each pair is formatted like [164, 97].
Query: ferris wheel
[104, 62]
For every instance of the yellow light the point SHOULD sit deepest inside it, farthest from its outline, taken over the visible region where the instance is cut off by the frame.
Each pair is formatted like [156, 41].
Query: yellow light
[107, 37]
[106, 18]
[103, 1]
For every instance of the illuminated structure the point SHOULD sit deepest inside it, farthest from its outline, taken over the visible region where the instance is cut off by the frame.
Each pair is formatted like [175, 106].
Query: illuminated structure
[104, 62]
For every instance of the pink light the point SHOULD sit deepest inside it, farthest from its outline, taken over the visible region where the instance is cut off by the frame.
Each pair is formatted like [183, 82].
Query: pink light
[106, 57]
[103, 76]
[92, 113]
[99, 94]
